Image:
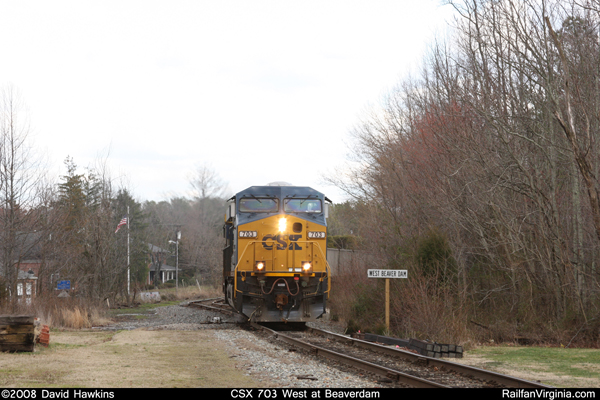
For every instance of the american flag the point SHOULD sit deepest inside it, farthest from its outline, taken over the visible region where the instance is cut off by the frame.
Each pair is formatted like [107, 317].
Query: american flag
[121, 223]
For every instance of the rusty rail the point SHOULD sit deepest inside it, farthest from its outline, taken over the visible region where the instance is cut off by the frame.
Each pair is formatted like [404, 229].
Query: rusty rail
[509, 381]
[397, 376]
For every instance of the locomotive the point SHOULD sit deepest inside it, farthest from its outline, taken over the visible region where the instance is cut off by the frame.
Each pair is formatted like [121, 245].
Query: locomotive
[274, 261]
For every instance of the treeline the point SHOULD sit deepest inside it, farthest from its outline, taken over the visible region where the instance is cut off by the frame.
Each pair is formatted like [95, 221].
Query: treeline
[481, 177]
[64, 227]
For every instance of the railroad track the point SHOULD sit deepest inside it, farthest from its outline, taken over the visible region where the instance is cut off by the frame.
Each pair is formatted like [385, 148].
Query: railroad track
[213, 304]
[396, 366]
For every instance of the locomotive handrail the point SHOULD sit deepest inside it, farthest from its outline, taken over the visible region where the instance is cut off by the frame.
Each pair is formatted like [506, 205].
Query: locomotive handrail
[311, 242]
[236, 267]
[327, 267]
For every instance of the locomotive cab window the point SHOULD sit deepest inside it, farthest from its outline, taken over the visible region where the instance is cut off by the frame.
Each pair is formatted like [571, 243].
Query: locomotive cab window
[254, 205]
[302, 205]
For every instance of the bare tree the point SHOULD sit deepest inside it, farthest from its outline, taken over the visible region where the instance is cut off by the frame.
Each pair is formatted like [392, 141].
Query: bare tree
[207, 183]
[492, 147]
[21, 187]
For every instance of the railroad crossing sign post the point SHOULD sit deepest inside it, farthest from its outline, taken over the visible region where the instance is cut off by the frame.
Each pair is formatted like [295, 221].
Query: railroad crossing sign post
[387, 274]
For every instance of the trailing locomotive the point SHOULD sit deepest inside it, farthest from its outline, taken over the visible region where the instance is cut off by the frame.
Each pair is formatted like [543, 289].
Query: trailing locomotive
[274, 262]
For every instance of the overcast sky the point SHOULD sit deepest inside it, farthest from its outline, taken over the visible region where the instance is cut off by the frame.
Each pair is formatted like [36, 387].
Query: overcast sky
[262, 91]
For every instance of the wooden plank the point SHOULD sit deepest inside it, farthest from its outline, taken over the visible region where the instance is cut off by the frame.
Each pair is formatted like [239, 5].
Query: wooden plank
[19, 338]
[17, 333]
[10, 329]
[13, 347]
[420, 344]
[16, 319]
[386, 340]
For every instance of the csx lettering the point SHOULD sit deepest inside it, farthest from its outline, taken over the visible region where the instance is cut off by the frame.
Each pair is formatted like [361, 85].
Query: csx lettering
[294, 242]
[242, 394]
[281, 243]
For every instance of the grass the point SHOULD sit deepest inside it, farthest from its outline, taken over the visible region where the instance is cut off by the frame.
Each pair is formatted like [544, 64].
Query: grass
[555, 366]
[138, 358]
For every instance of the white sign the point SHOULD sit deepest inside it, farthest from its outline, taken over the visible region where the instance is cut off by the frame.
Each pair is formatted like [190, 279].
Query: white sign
[387, 273]
[150, 296]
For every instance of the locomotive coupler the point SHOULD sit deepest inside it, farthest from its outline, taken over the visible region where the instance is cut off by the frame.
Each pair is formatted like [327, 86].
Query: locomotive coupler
[281, 300]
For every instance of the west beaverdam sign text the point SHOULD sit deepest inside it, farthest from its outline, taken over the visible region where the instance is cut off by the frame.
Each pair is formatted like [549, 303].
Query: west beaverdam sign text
[387, 273]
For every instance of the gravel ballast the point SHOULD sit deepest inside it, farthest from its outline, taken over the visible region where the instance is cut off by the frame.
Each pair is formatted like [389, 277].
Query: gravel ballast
[262, 358]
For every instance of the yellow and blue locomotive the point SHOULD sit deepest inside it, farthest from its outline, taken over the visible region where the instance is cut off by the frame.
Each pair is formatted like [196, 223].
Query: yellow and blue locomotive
[274, 262]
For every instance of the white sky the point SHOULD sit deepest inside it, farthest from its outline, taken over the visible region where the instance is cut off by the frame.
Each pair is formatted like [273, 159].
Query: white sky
[262, 91]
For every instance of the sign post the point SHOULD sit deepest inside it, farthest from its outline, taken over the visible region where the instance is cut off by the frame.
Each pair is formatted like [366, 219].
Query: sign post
[387, 274]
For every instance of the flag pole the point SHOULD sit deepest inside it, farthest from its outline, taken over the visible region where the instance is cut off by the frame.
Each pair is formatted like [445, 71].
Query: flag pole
[128, 272]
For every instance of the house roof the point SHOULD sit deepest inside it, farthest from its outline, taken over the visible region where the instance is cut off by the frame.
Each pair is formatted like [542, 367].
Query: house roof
[156, 249]
[163, 267]
[29, 244]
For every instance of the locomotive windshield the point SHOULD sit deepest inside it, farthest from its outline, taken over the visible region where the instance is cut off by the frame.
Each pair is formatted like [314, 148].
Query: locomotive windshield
[302, 205]
[259, 205]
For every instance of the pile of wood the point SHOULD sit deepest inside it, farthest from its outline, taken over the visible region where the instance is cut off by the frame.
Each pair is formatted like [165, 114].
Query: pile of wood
[429, 349]
[17, 333]
[436, 350]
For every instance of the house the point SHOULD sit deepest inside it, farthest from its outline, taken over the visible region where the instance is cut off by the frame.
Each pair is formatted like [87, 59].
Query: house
[158, 262]
[29, 261]
[26, 286]
[166, 271]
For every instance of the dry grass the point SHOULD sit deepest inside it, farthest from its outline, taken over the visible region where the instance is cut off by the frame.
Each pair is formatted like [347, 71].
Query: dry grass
[60, 312]
[75, 318]
[187, 293]
[123, 359]
[76, 313]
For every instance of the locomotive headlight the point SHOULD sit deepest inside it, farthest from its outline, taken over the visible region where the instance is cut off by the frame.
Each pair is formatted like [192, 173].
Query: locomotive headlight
[259, 266]
[306, 266]
[282, 224]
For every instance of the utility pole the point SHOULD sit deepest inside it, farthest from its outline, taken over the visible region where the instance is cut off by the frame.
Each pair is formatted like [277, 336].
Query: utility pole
[128, 266]
[178, 237]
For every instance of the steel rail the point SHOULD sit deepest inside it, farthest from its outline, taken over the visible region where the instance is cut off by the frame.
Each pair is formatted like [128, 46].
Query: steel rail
[222, 309]
[466, 370]
[398, 376]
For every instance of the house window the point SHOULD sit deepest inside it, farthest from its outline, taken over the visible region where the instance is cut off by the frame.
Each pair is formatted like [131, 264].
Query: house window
[19, 289]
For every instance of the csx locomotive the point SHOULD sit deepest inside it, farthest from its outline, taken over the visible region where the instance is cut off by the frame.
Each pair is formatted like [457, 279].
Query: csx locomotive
[274, 262]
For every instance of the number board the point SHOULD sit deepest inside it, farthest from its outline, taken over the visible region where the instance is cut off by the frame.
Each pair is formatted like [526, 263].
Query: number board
[248, 234]
[387, 273]
[316, 235]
